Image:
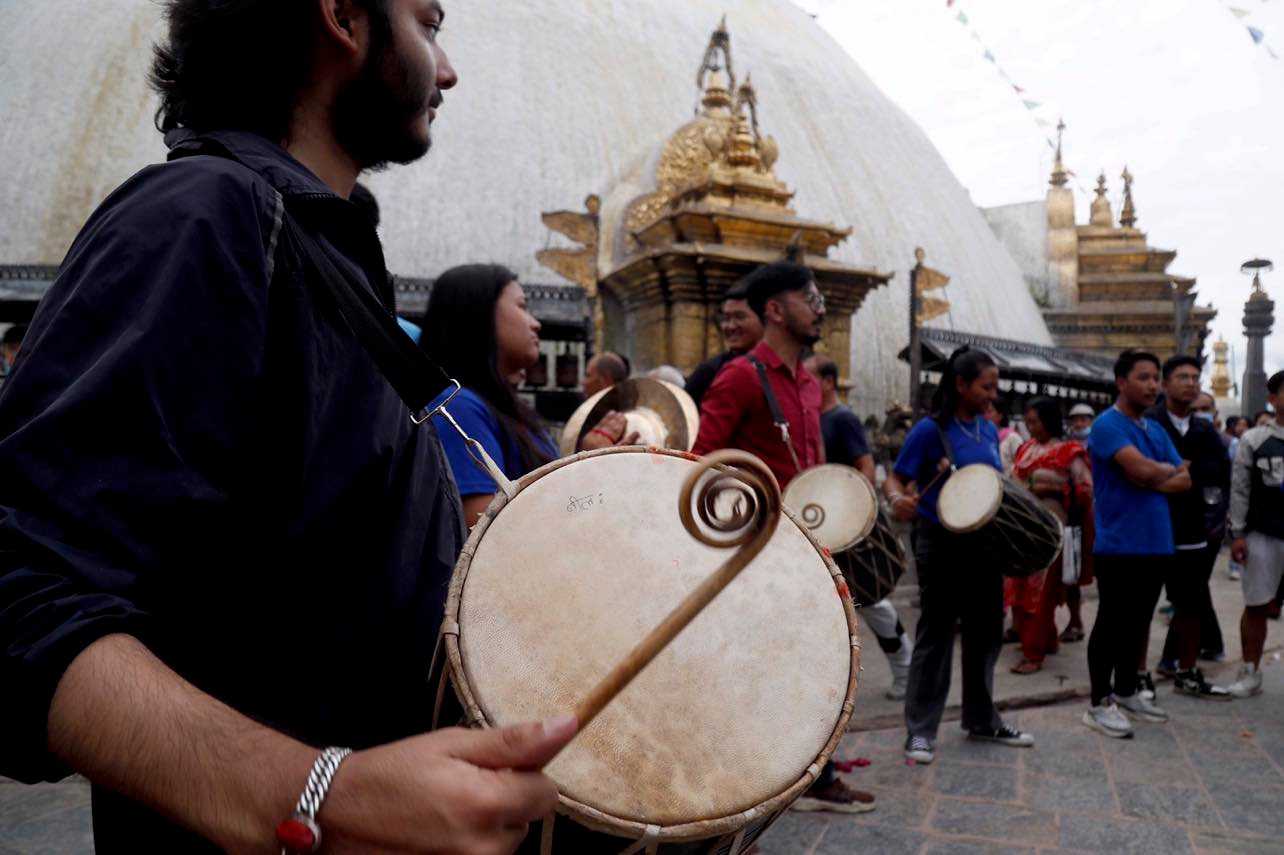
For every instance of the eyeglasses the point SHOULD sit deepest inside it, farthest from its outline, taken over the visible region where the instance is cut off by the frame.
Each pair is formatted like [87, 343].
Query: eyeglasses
[815, 300]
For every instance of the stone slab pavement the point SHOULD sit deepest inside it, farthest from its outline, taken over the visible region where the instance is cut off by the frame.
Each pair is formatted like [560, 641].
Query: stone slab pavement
[1209, 781]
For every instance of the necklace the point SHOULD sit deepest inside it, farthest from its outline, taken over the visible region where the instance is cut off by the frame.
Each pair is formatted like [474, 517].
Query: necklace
[974, 435]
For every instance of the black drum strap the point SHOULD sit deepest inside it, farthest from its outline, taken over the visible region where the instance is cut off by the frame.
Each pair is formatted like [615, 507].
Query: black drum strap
[777, 417]
[945, 443]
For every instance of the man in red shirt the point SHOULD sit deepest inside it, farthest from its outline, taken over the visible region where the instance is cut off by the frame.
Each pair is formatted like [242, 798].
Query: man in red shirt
[736, 413]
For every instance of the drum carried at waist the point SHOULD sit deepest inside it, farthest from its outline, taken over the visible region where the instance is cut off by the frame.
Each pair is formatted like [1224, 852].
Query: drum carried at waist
[840, 508]
[1005, 521]
[730, 722]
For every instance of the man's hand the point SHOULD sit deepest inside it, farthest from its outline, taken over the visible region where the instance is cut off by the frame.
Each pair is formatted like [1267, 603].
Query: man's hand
[454, 790]
[608, 432]
[1239, 550]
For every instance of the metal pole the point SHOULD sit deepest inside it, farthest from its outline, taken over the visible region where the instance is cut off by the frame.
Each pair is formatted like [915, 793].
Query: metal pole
[916, 352]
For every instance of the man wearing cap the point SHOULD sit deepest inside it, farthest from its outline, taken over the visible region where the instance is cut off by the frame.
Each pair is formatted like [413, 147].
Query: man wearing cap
[1081, 416]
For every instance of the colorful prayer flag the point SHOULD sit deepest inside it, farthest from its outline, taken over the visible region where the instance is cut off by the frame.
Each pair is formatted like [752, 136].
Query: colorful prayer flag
[962, 19]
[1256, 34]
[1240, 13]
[989, 56]
[1030, 105]
[1018, 89]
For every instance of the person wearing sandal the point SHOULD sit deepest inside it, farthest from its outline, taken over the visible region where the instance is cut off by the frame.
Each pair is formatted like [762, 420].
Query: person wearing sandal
[1056, 470]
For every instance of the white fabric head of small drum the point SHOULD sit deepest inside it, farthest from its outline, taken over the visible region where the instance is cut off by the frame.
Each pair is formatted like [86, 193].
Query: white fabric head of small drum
[836, 503]
[585, 560]
[970, 498]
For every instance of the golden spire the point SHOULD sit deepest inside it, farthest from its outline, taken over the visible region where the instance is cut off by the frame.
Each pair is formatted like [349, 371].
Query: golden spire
[1221, 383]
[716, 77]
[1128, 216]
[1059, 173]
[1100, 213]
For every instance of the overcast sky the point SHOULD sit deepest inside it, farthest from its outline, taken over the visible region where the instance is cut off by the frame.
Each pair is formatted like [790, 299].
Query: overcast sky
[1174, 89]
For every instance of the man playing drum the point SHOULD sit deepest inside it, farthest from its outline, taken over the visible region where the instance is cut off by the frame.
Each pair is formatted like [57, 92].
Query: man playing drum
[959, 583]
[766, 403]
[845, 444]
[224, 543]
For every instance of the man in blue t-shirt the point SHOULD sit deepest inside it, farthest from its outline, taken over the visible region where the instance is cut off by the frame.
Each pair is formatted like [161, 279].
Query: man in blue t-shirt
[1134, 468]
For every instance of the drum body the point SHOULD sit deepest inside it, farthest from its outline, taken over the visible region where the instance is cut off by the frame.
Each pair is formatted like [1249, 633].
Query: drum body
[874, 566]
[836, 503]
[1001, 518]
[840, 508]
[723, 730]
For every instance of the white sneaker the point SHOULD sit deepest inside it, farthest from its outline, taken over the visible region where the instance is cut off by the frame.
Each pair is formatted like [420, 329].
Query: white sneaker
[1108, 720]
[1142, 708]
[1235, 571]
[919, 749]
[1249, 682]
[1146, 685]
[900, 662]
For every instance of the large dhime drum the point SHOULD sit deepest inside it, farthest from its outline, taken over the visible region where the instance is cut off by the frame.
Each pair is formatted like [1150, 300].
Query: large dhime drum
[1004, 520]
[725, 728]
[840, 508]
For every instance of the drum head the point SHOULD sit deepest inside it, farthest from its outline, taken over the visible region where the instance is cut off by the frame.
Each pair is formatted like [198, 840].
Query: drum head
[572, 572]
[836, 503]
[970, 498]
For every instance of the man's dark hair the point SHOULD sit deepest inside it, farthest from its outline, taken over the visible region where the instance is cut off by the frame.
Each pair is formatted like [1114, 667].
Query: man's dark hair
[774, 279]
[239, 64]
[15, 334]
[826, 368]
[1274, 383]
[1231, 421]
[737, 291]
[1129, 358]
[1257, 416]
[1049, 414]
[1179, 361]
[365, 202]
[613, 366]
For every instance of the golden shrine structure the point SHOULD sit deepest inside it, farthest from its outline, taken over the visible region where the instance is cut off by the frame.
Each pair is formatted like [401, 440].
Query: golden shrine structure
[1108, 289]
[655, 264]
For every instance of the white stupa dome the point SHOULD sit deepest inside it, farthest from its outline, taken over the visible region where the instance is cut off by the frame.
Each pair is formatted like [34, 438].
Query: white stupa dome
[556, 100]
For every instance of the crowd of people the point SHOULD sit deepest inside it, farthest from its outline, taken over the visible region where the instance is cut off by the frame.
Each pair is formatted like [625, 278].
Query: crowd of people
[215, 558]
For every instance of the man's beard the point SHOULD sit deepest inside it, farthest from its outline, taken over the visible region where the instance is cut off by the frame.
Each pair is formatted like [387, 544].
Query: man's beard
[373, 114]
[803, 333]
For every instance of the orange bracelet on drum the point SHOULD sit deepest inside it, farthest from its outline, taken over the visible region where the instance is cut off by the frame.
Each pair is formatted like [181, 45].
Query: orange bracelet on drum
[612, 439]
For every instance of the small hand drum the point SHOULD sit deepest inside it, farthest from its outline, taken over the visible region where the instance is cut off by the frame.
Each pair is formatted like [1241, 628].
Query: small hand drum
[840, 508]
[727, 726]
[1002, 518]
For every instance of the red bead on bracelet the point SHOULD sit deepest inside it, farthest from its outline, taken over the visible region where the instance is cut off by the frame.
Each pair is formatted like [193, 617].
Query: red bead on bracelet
[299, 833]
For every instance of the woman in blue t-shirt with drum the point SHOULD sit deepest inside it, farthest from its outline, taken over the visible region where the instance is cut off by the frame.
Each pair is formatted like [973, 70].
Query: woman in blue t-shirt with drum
[477, 328]
[956, 582]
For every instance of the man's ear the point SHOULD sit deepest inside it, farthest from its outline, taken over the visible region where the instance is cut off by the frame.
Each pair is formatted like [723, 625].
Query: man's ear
[344, 25]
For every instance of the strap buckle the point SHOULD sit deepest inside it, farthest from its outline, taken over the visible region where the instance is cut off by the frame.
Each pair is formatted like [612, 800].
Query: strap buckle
[420, 418]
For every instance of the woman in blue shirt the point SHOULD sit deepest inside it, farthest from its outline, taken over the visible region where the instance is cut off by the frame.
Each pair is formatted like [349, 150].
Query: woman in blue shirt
[957, 583]
[478, 329]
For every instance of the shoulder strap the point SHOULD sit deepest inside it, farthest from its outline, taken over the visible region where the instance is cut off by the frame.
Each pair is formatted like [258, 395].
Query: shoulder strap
[945, 442]
[417, 379]
[777, 417]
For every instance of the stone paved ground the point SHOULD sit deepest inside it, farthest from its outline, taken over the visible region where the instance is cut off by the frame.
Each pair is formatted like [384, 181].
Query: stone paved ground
[1210, 781]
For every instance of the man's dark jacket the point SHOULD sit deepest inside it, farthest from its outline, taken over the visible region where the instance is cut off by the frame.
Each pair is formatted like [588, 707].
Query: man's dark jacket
[1195, 519]
[703, 375]
[195, 453]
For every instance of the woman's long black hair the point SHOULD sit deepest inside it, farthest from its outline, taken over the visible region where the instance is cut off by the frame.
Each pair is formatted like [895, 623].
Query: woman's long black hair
[459, 334]
[1049, 413]
[966, 363]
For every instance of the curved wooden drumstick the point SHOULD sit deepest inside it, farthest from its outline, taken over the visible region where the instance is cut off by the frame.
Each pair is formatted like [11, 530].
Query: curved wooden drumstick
[753, 513]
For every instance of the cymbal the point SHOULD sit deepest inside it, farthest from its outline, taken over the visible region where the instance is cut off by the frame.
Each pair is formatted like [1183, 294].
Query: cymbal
[663, 414]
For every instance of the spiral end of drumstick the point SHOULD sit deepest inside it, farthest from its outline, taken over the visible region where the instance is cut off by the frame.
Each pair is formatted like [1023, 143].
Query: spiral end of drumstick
[731, 500]
[813, 515]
